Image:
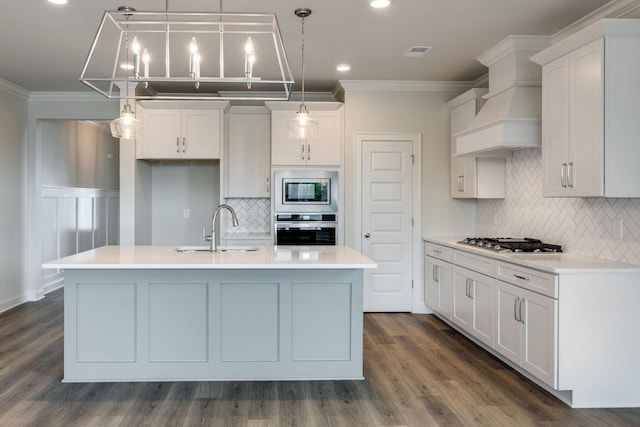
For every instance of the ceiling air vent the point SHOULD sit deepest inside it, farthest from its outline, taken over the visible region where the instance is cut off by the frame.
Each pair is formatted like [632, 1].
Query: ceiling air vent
[417, 51]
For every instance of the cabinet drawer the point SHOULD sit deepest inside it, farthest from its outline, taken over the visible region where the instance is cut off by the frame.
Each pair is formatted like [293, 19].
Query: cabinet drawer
[473, 262]
[537, 281]
[437, 251]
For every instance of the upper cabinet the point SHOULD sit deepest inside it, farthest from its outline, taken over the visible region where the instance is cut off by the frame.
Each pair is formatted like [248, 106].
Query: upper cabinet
[590, 104]
[325, 150]
[473, 177]
[181, 131]
[247, 163]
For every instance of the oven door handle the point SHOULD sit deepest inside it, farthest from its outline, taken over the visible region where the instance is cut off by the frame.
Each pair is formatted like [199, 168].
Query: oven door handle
[304, 226]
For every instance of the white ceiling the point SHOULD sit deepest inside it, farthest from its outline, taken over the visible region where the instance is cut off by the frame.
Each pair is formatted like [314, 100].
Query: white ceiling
[43, 46]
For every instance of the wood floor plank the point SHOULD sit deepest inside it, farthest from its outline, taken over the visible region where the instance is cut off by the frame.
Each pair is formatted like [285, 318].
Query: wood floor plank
[418, 372]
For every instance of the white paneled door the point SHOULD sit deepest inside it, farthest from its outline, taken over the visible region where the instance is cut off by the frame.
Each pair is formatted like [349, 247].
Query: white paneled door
[387, 206]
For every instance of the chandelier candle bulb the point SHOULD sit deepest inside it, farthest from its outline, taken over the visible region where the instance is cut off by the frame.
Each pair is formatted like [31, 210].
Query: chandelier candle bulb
[193, 58]
[135, 48]
[250, 58]
[146, 59]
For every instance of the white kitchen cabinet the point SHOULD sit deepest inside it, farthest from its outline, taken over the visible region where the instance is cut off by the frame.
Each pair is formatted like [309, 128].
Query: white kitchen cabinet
[325, 150]
[526, 325]
[246, 157]
[473, 303]
[194, 132]
[546, 319]
[438, 293]
[590, 99]
[473, 177]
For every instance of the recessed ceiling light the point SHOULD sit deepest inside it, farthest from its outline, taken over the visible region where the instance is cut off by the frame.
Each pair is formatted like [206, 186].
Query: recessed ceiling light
[58, 1]
[379, 4]
[343, 67]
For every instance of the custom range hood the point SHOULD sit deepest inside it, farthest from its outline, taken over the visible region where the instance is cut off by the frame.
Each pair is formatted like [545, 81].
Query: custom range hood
[511, 117]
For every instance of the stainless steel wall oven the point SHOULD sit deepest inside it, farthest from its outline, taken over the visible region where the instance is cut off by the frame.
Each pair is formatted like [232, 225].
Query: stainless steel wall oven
[306, 229]
[306, 207]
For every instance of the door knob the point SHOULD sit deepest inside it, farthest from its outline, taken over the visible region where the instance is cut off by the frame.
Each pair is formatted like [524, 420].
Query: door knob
[367, 235]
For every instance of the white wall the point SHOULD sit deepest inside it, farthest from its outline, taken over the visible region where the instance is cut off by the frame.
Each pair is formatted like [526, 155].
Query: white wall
[79, 190]
[13, 226]
[423, 111]
[50, 106]
[80, 154]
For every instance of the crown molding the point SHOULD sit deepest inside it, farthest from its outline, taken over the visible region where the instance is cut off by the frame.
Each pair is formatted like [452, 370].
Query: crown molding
[613, 9]
[13, 89]
[512, 44]
[403, 86]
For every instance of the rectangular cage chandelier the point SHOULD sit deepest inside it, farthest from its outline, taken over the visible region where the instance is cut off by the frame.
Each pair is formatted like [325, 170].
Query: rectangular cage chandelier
[188, 56]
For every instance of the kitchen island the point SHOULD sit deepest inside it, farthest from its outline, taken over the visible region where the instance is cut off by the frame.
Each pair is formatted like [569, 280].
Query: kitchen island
[150, 313]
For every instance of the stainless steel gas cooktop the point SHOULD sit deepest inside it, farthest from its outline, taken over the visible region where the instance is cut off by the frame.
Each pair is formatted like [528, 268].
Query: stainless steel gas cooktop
[511, 245]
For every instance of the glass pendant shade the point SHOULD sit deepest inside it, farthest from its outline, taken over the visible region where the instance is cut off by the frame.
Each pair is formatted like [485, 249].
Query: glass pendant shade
[126, 126]
[302, 126]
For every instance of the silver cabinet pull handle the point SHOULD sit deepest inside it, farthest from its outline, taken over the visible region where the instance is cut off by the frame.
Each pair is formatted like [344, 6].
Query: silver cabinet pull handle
[302, 152]
[308, 151]
[515, 308]
[177, 144]
[268, 185]
[521, 277]
[184, 145]
[563, 178]
[437, 251]
[433, 274]
[367, 235]
[570, 174]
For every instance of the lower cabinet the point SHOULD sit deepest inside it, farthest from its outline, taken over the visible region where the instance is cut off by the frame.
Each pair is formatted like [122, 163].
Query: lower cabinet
[439, 285]
[473, 303]
[526, 325]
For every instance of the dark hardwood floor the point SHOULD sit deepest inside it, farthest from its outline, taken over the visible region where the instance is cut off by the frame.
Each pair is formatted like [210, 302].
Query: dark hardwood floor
[419, 372]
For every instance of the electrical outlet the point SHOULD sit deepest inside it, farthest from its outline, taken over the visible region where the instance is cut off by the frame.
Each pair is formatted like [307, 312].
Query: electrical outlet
[186, 213]
[618, 228]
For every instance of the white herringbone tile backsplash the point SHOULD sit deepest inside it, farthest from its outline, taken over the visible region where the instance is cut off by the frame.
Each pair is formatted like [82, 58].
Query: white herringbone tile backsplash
[254, 216]
[582, 226]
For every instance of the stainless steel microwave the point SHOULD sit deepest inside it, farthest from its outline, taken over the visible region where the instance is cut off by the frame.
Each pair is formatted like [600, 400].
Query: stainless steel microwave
[305, 191]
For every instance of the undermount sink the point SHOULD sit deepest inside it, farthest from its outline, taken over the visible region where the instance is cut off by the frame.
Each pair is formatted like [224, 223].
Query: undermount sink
[218, 249]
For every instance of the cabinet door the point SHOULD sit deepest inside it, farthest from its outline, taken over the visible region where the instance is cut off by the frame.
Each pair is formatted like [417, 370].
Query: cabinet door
[508, 328]
[482, 295]
[161, 138]
[555, 126]
[438, 286]
[201, 130]
[539, 351]
[247, 158]
[326, 149]
[462, 313]
[432, 283]
[463, 177]
[586, 117]
[284, 150]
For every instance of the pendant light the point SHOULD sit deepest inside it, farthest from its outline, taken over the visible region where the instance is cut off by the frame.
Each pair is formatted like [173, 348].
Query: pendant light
[127, 126]
[302, 126]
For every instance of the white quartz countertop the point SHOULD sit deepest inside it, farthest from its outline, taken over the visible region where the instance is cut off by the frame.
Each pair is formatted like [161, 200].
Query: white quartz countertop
[550, 262]
[166, 257]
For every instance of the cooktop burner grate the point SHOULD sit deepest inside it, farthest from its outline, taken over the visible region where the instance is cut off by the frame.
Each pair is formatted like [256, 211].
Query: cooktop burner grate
[511, 245]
